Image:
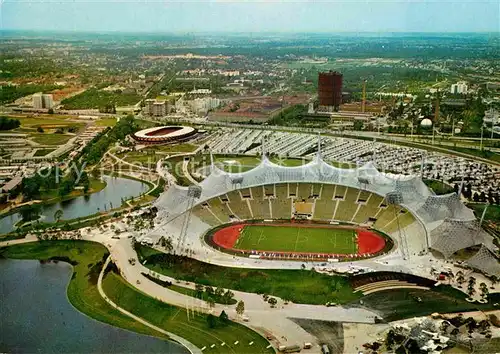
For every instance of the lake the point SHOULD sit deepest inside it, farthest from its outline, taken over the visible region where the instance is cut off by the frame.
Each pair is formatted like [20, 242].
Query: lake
[111, 196]
[38, 318]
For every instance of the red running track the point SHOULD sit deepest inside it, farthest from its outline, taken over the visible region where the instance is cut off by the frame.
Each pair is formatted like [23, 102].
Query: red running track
[368, 241]
[227, 236]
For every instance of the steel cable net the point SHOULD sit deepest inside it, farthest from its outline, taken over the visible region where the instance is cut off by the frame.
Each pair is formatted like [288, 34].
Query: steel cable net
[175, 199]
[458, 229]
[439, 207]
[453, 235]
[485, 261]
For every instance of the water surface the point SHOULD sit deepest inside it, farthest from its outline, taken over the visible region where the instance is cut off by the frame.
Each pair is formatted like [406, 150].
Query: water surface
[36, 316]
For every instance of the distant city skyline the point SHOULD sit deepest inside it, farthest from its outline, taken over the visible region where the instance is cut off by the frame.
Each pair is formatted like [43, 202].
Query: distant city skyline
[251, 16]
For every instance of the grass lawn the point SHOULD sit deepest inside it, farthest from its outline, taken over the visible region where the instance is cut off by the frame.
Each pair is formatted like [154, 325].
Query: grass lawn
[394, 305]
[299, 286]
[177, 148]
[146, 159]
[297, 239]
[438, 187]
[492, 213]
[242, 163]
[174, 319]
[96, 185]
[43, 152]
[204, 295]
[82, 289]
[106, 122]
[51, 139]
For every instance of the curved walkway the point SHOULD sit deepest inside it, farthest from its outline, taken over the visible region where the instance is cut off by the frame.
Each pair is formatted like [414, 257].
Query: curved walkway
[191, 347]
[186, 173]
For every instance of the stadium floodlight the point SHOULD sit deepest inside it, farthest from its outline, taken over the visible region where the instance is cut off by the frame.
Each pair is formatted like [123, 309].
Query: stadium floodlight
[363, 180]
[237, 180]
[394, 198]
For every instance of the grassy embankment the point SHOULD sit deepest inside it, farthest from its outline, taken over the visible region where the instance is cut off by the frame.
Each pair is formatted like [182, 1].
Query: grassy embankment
[299, 286]
[87, 259]
[194, 328]
[309, 287]
[52, 196]
[398, 304]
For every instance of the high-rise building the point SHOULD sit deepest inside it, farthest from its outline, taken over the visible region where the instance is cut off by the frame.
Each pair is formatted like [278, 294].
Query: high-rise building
[459, 88]
[41, 100]
[37, 100]
[159, 108]
[330, 90]
[155, 108]
[47, 101]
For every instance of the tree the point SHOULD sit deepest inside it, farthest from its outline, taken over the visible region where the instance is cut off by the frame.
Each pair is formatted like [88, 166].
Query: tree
[199, 290]
[272, 301]
[219, 292]
[209, 290]
[167, 243]
[210, 302]
[228, 295]
[58, 215]
[223, 317]
[494, 281]
[39, 130]
[211, 320]
[358, 125]
[240, 307]
[30, 212]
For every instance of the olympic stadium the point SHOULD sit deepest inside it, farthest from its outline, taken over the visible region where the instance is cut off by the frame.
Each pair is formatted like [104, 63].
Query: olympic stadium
[274, 216]
[164, 134]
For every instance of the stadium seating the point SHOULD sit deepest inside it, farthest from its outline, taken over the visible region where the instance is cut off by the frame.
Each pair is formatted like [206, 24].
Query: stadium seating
[269, 190]
[324, 206]
[367, 210]
[388, 285]
[403, 220]
[219, 209]
[206, 215]
[385, 216]
[348, 206]
[351, 205]
[304, 192]
[281, 206]
[259, 205]
[361, 280]
[238, 206]
[281, 191]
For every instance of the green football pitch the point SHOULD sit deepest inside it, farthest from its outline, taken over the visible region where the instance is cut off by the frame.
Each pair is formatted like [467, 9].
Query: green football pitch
[297, 239]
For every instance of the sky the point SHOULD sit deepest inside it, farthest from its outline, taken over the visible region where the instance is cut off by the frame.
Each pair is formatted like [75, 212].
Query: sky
[252, 16]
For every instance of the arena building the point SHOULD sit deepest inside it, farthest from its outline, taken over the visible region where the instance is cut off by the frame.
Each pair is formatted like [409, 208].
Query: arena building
[164, 134]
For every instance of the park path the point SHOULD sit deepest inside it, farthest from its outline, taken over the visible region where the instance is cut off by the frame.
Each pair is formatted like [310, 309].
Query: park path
[191, 347]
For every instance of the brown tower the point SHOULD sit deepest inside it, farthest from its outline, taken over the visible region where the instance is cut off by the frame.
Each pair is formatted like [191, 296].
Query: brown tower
[330, 89]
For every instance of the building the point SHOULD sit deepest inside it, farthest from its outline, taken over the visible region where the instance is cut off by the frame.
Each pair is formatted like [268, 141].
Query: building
[491, 117]
[330, 90]
[459, 88]
[155, 108]
[203, 105]
[47, 101]
[159, 109]
[41, 100]
[37, 100]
